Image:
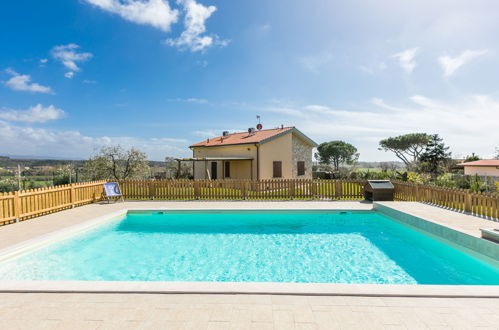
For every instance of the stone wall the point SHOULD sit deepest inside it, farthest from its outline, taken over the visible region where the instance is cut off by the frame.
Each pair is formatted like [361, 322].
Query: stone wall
[302, 151]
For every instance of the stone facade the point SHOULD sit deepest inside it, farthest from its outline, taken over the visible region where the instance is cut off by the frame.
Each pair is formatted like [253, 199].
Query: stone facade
[301, 151]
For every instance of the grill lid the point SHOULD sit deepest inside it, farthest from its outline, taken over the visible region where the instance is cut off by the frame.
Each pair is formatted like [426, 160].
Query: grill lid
[380, 184]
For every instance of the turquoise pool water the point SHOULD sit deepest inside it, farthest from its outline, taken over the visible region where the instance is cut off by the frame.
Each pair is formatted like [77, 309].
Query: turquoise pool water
[348, 247]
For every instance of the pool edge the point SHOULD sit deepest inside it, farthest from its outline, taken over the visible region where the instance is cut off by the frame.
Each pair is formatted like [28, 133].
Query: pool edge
[475, 244]
[317, 289]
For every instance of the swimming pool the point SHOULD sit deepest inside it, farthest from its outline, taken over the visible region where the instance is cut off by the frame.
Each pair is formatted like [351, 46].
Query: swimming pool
[237, 246]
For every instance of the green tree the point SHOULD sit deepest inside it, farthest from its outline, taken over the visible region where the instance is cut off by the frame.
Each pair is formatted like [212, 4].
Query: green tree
[497, 153]
[471, 158]
[406, 147]
[116, 163]
[336, 153]
[171, 166]
[435, 155]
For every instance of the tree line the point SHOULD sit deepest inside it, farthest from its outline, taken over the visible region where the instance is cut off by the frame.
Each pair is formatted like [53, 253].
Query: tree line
[426, 159]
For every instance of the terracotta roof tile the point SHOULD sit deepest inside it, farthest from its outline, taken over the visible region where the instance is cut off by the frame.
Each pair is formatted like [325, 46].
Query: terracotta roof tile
[243, 137]
[483, 162]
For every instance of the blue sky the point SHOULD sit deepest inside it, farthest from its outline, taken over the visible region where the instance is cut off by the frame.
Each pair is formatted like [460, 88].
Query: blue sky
[160, 75]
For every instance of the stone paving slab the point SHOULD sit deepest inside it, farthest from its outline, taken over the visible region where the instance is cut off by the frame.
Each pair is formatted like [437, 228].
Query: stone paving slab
[180, 311]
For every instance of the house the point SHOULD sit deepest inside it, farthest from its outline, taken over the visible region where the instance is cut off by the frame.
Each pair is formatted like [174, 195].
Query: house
[486, 167]
[279, 153]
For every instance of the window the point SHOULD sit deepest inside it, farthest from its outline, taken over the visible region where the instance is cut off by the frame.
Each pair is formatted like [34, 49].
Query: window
[227, 169]
[301, 168]
[277, 169]
[214, 170]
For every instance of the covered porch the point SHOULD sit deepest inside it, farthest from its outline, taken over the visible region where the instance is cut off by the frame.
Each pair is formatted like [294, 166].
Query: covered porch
[221, 168]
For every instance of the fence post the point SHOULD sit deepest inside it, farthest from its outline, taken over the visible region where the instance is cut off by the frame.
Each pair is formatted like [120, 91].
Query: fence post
[196, 189]
[314, 189]
[17, 206]
[291, 188]
[467, 202]
[72, 195]
[152, 190]
[243, 189]
[338, 189]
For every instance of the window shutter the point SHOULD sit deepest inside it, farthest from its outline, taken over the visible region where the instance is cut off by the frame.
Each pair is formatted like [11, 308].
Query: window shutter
[301, 168]
[277, 169]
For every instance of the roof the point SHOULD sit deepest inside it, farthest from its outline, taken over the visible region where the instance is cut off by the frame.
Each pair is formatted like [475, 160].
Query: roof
[257, 137]
[214, 158]
[483, 162]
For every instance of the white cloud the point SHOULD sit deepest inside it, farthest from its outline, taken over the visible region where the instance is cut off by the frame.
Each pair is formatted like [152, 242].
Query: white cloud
[451, 64]
[190, 100]
[69, 56]
[22, 82]
[285, 111]
[406, 59]
[373, 68]
[89, 81]
[315, 62]
[156, 13]
[207, 133]
[193, 37]
[73, 144]
[44, 60]
[317, 108]
[159, 14]
[366, 127]
[34, 114]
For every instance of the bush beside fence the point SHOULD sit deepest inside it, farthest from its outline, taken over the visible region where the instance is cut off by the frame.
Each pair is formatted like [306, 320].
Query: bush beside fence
[26, 204]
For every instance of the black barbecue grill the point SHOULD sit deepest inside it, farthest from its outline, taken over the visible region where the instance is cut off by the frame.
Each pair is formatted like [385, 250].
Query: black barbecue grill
[379, 190]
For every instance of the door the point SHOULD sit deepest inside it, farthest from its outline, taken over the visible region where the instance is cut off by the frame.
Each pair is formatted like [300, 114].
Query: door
[213, 170]
[227, 170]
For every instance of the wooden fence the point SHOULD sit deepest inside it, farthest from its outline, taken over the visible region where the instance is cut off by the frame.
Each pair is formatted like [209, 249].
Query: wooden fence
[26, 204]
[481, 204]
[243, 189]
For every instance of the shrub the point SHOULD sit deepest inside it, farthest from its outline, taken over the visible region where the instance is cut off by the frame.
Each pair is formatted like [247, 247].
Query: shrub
[446, 180]
[8, 184]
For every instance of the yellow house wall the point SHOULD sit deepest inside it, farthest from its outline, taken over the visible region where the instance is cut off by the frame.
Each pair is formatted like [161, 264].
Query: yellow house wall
[287, 148]
[239, 169]
[481, 170]
[277, 149]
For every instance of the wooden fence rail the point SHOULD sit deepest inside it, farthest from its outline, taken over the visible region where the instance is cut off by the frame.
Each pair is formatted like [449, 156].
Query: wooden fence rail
[243, 189]
[26, 204]
[481, 204]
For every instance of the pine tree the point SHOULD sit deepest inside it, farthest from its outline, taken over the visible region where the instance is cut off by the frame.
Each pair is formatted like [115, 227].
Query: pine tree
[435, 155]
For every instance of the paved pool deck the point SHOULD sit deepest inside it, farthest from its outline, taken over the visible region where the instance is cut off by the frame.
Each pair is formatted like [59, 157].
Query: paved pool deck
[57, 310]
[463, 222]
[259, 312]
